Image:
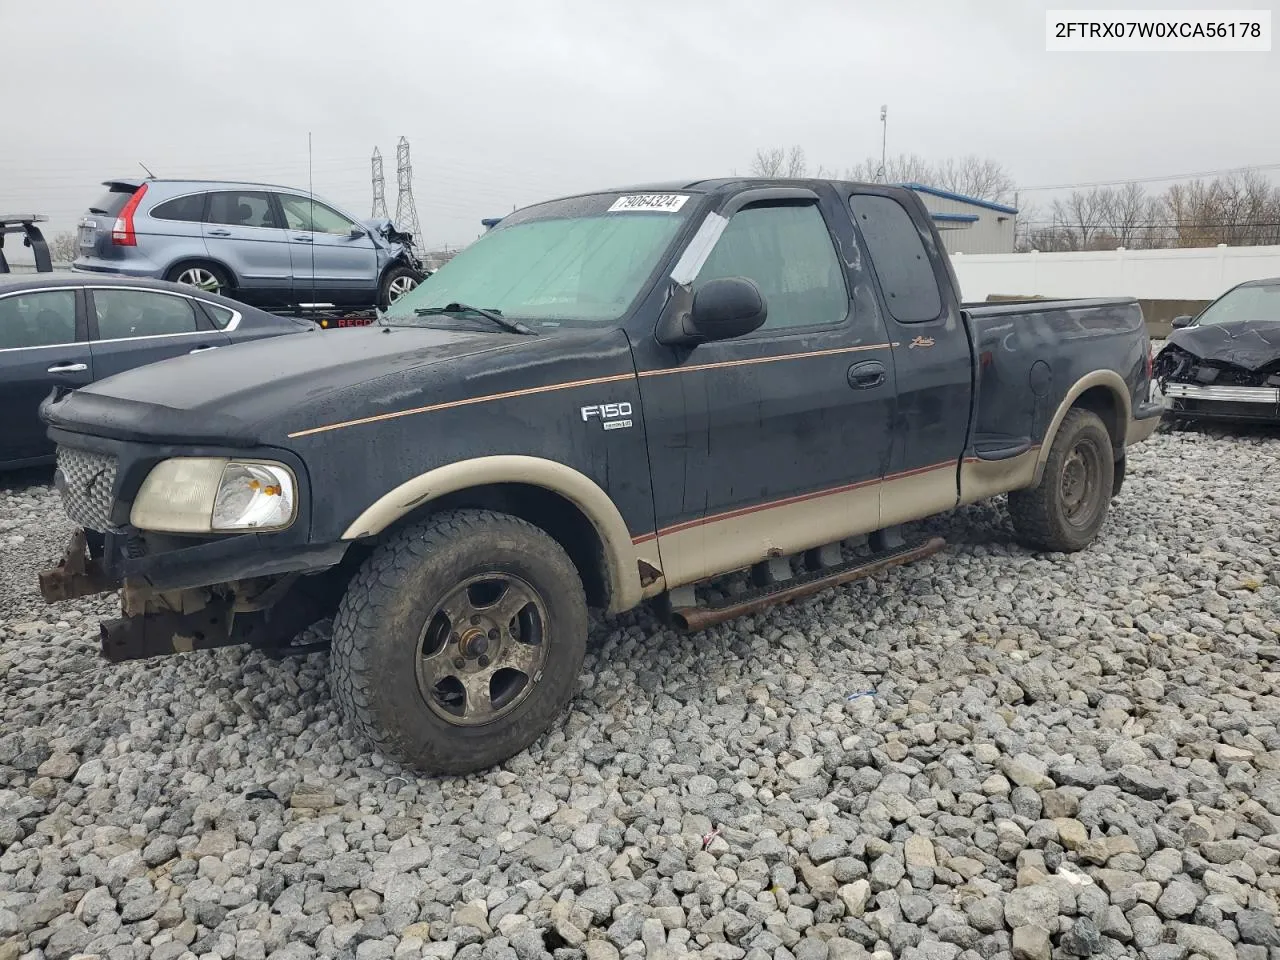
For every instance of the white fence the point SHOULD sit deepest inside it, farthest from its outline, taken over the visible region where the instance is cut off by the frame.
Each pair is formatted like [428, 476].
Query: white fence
[1192, 273]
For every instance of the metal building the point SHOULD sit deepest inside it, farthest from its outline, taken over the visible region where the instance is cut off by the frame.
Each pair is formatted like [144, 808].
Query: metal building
[967, 224]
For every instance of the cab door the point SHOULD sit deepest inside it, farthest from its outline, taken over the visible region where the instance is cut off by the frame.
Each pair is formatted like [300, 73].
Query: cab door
[243, 230]
[334, 260]
[132, 326]
[931, 354]
[775, 441]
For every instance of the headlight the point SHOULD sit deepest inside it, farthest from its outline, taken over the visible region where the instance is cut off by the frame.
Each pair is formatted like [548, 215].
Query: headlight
[213, 495]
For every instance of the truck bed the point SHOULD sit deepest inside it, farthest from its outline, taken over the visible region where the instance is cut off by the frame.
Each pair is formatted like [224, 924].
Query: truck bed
[1050, 345]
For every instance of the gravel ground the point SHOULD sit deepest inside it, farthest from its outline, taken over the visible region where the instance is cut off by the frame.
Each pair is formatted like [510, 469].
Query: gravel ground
[990, 753]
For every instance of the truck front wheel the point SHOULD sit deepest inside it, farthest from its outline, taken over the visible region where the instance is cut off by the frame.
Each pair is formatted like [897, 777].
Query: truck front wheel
[1065, 510]
[459, 641]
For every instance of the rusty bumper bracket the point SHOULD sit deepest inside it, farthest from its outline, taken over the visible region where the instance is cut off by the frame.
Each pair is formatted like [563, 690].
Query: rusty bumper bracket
[76, 575]
[157, 634]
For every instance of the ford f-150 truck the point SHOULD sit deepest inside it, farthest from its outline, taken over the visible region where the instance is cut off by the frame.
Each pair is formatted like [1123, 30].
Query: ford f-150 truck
[606, 399]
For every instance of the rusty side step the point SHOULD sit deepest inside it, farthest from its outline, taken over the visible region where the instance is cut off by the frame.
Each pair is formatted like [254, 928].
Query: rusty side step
[692, 619]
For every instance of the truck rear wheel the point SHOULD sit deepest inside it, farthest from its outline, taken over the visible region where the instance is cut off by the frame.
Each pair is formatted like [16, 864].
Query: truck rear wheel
[459, 641]
[1065, 510]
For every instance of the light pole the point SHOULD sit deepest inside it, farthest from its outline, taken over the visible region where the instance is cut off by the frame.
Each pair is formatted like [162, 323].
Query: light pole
[884, 139]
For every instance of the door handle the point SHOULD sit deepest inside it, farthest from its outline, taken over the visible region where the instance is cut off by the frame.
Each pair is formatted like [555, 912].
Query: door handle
[219, 233]
[867, 374]
[69, 368]
[204, 347]
[303, 239]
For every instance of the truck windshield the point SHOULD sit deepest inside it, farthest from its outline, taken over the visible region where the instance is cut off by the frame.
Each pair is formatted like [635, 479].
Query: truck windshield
[1260, 302]
[580, 261]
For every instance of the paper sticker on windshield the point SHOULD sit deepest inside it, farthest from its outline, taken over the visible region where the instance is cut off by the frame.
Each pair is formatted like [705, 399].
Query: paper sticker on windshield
[661, 202]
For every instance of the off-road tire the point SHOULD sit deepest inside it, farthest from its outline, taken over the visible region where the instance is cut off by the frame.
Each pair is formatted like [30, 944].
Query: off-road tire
[397, 273]
[377, 631]
[1039, 514]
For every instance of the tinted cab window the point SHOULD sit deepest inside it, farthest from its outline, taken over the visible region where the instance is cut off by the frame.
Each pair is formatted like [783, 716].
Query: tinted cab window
[241, 208]
[42, 319]
[899, 258]
[141, 313]
[189, 209]
[305, 214]
[788, 252]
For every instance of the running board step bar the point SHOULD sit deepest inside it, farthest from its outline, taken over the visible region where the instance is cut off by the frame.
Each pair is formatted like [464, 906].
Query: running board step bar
[690, 619]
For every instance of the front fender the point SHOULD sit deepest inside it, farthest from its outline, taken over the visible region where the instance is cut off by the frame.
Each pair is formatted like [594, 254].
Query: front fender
[401, 258]
[619, 551]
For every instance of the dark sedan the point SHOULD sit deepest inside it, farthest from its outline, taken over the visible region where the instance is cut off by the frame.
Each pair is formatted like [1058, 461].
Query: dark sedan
[1225, 363]
[69, 329]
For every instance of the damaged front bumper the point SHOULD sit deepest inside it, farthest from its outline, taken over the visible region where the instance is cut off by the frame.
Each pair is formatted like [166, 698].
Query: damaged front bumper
[225, 592]
[1222, 402]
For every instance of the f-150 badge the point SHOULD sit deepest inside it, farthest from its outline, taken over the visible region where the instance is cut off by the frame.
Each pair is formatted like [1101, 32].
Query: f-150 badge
[614, 416]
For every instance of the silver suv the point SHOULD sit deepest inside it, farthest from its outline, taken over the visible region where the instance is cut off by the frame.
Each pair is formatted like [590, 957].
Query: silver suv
[264, 245]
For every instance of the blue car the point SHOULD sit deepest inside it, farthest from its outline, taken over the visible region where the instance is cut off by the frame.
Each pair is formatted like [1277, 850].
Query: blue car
[260, 244]
[67, 330]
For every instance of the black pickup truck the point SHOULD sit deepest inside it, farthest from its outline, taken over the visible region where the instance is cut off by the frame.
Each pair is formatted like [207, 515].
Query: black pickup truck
[606, 399]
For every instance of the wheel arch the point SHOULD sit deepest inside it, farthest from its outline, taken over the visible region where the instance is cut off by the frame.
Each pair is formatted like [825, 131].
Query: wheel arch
[566, 504]
[399, 260]
[196, 259]
[1103, 392]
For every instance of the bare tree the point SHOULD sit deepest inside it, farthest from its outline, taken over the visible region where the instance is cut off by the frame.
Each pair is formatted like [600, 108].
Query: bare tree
[1080, 215]
[1194, 213]
[904, 168]
[974, 176]
[779, 162]
[64, 247]
[1248, 208]
[1027, 229]
[1240, 208]
[1126, 214]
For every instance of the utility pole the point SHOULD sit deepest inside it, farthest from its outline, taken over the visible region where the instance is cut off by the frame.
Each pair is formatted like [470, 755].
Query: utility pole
[884, 140]
[379, 186]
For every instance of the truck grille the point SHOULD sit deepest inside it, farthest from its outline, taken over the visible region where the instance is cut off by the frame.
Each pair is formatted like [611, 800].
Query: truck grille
[87, 480]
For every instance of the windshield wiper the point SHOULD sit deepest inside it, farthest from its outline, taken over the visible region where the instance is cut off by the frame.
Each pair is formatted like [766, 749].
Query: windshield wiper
[515, 326]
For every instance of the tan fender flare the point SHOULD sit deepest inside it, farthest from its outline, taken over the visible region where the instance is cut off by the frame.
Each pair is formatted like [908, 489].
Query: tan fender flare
[579, 489]
[1099, 378]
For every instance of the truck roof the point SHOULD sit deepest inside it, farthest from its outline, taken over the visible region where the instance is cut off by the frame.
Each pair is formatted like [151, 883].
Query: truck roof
[712, 184]
[715, 183]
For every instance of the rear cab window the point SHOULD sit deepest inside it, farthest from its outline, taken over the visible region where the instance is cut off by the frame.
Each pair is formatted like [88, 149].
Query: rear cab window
[898, 257]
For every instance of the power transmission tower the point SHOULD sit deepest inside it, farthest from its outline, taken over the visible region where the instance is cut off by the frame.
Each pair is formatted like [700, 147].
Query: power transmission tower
[379, 186]
[406, 208]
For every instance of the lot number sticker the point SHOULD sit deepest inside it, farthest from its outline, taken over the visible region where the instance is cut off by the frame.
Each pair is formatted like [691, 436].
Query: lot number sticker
[661, 202]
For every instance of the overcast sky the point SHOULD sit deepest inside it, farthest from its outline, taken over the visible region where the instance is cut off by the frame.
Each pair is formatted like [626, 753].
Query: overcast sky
[507, 103]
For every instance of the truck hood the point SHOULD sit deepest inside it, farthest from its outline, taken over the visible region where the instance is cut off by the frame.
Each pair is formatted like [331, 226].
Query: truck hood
[1248, 344]
[222, 396]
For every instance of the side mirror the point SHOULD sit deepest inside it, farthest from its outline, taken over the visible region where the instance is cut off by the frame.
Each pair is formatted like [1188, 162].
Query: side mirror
[1179, 322]
[356, 233]
[727, 307]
